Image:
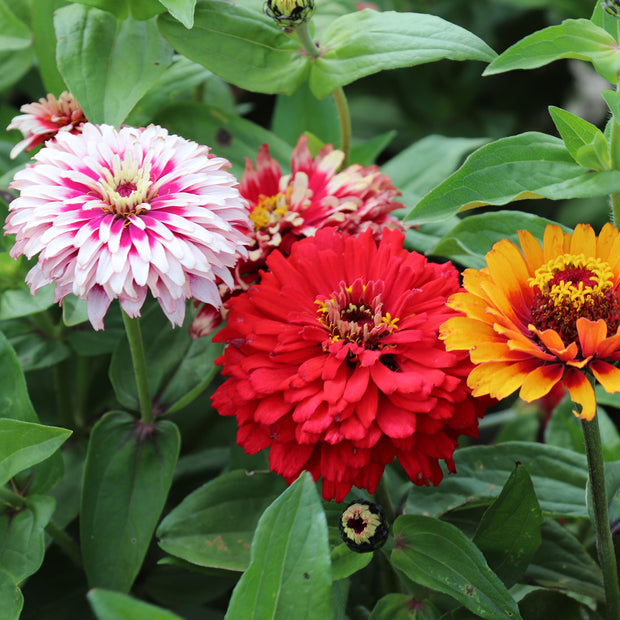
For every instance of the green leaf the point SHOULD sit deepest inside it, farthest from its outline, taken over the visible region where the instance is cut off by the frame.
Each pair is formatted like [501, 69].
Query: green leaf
[438, 556]
[22, 533]
[366, 42]
[24, 444]
[559, 478]
[214, 525]
[74, 310]
[230, 135]
[367, 152]
[14, 63]
[242, 46]
[11, 597]
[573, 38]
[42, 22]
[562, 562]
[403, 607]
[470, 240]
[108, 65]
[346, 562]
[545, 604]
[21, 302]
[509, 532]
[289, 575]
[183, 10]
[109, 605]
[529, 165]
[14, 34]
[584, 141]
[14, 400]
[127, 476]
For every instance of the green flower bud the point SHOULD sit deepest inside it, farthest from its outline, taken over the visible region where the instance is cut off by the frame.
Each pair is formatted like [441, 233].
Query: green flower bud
[290, 13]
[363, 527]
[612, 7]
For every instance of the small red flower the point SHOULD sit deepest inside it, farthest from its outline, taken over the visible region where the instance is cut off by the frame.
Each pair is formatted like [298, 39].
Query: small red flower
[286, 208]
[333, 361]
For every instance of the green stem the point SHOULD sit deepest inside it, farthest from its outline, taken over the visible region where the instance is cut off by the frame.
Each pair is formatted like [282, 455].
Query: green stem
[604, 542]
[65, 542]
[136, 346]
[344, 116]
[614, 148]
[62, 384]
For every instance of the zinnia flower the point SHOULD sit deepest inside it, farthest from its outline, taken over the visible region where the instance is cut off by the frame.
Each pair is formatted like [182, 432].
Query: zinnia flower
[113, 214]
[43, 120]
[540, 316]
[333, 361]
[286, 208]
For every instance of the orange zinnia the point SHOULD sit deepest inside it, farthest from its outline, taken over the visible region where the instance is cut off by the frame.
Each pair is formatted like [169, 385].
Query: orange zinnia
[540, 316]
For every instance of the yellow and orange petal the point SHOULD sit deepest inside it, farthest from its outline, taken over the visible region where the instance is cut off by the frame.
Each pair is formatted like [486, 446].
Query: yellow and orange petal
[540, 315]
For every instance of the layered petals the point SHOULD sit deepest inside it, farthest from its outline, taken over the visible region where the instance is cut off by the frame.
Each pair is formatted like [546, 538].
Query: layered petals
[339, 344]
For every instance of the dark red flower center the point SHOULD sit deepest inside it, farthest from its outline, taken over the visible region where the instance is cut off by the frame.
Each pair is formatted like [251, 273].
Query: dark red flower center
[126, 189]
[570, 287]
[357, 524]
[355, 314]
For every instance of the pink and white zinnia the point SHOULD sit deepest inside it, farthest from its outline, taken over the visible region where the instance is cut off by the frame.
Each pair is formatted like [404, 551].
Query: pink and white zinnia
[114, 213]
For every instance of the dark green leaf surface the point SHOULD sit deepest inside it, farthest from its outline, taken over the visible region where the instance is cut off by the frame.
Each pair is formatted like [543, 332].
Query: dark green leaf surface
[530, 165]
[439, 556]
[573, 38]
[24, 444]
[109, 605]
[126, 481]
[346, 562]
[214, 525]
[14, 400]
[11, 597]
[289, 574]
[368, 41]
[108, 65]
[509, 532]
[403, 607]
[559, 478]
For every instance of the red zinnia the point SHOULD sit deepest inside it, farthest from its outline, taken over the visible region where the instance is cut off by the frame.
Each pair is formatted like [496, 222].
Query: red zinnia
[334, 362]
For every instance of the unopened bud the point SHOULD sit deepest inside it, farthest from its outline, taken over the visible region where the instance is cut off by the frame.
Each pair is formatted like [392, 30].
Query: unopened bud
[290, 13]
[363, 527]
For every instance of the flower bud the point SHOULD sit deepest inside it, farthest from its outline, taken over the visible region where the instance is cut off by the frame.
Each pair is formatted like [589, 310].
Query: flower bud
[363, 527]
[290, 13]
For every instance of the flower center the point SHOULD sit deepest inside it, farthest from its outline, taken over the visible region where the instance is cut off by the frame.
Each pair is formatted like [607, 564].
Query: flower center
[270, 210]
[355, 315]
[572, 286]
[359, 523]
[126, 188]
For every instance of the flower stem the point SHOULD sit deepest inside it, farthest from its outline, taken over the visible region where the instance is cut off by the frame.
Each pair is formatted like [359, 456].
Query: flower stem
[136, 346]
[604, 542]
[303, 32]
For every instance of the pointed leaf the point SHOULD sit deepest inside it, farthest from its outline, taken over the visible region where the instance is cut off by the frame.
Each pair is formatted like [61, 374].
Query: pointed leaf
[214, 525]
[509, 532]
[559, 478]
[530, 165]
[108, 85]
[24, 444]
[242, 46]
[22, 536]
[366, 42]
[109, 605]
[290, 574]
[127, 476]
[439, 556]
[578, 135]
[573, 38]
[183, 10]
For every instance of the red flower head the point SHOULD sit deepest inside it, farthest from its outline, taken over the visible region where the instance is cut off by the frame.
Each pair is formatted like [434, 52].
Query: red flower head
[43, 120]
[286, 208]
[333, 361]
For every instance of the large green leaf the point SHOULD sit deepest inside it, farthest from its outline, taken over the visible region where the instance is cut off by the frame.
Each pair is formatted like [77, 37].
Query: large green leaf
[14, 34]
[403, 607]
[24, 444]
[109, 605]
[11, 597]
[22, 536]
[14, 400]
[439, 556]
[562, 562]
[529, 165]
[214, 525]
[108, 65]
[290, 573]
[42, 22]
[226, 132]
[21, 302]
[559, 478]
[509, 532]
[242, 46]
[183, 10]
[368, 41]
[573, 38]
[127, 476]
